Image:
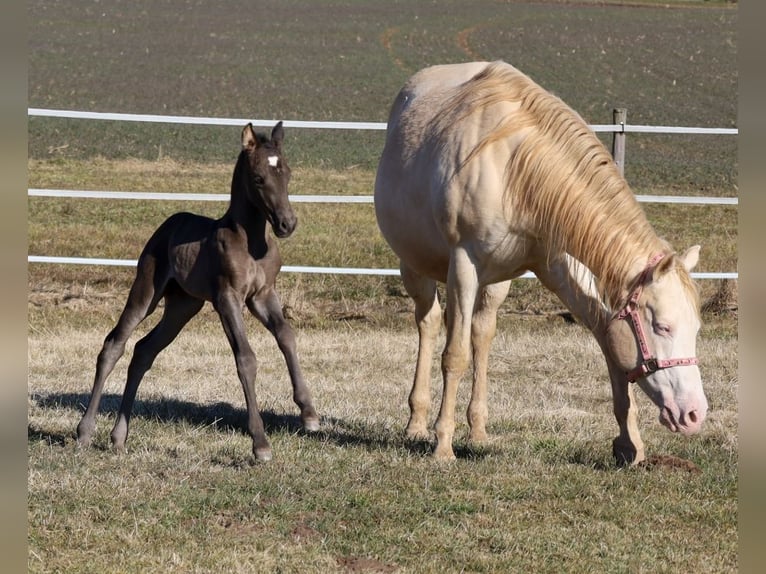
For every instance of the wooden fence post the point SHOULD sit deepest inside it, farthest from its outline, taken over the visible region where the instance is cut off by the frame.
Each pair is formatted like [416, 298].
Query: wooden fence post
[619, 116]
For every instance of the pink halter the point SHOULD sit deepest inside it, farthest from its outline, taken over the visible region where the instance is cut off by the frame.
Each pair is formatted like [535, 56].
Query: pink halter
[649, 364]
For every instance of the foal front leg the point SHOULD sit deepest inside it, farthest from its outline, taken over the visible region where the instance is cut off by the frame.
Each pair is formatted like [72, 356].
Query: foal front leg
[229, 308]
[268, 310]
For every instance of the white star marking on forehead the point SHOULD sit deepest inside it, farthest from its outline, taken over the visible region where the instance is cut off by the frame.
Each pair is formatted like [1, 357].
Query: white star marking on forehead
[273, 160]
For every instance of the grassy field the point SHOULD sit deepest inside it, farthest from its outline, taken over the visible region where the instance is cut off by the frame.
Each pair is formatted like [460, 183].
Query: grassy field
[544, 494]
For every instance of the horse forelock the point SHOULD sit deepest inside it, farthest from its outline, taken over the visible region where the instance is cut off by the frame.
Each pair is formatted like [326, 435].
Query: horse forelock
[561, 180]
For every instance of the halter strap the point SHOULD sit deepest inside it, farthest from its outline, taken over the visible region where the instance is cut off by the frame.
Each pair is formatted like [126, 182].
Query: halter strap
[649, 364]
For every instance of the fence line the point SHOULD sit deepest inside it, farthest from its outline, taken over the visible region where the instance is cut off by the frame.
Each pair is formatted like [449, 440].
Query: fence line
[170, 196]
[300, 268]
[619, 128]
[211, 121]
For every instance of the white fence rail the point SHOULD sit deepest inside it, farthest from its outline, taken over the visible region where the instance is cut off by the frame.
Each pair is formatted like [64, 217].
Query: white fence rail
[619, 127]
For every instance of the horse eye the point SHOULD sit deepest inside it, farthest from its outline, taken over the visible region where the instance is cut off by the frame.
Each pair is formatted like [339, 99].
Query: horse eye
[661, 329]
[258, 179]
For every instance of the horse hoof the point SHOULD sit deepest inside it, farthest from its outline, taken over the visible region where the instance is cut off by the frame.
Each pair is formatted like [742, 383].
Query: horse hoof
[262, 454]
[311, 425]
[478, 438]
[447, 457]
[417, 433]
[444, 454]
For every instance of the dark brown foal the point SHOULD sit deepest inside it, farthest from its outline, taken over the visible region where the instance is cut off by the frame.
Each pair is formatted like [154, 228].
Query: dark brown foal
[233, 263]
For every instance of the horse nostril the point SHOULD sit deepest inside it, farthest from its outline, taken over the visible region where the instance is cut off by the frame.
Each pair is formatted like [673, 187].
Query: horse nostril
[693, 417]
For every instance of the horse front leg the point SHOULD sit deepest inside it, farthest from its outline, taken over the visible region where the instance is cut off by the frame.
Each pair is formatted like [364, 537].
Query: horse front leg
[462, 288]
[627, 447]
[229, 308]
[575, 285]
[428, 317]
[484, 325]
[268, 310]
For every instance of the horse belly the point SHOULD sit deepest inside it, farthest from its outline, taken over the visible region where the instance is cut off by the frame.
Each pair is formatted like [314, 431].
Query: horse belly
[409, 228]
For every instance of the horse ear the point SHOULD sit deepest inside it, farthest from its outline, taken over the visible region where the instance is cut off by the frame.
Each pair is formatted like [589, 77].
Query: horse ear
[277, 135]
[690, 257]
[249, 141]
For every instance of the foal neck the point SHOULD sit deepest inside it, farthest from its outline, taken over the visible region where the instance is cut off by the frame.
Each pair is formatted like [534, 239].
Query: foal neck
[241, 209]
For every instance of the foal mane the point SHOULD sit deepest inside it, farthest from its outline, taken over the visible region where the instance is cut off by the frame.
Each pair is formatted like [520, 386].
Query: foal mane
[561, 179]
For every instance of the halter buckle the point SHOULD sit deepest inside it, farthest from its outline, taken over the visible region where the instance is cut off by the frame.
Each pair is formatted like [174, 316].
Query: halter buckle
[651, 365]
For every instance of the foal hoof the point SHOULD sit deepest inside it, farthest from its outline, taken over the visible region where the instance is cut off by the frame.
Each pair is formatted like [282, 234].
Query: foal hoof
[311, 425]
[83, 441]
[262, 454]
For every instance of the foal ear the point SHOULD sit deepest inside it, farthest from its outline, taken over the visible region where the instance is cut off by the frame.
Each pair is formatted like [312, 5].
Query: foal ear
[249, 141]
[690, 257]
[277, 135]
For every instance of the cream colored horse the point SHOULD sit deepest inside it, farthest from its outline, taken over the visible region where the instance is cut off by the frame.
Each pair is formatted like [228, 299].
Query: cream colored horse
[484, 176]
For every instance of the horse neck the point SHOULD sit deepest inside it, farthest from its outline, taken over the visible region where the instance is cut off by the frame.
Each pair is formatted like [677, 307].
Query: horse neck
[241, 210]
[599, 222]
[616, 244]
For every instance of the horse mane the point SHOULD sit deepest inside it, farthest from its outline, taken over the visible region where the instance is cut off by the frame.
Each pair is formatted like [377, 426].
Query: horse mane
[561, 178]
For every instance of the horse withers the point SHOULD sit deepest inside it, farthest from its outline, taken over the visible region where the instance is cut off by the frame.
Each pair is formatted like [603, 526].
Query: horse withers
[233, 263]
[485, 175]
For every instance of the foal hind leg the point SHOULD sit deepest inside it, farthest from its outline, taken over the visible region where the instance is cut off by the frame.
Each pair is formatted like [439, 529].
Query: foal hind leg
[483, 327]
[179, 309]
[428, 316]
[268, 310]
[140, 303]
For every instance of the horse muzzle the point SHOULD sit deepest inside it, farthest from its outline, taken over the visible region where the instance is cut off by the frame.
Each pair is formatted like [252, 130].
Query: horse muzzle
[683, 421]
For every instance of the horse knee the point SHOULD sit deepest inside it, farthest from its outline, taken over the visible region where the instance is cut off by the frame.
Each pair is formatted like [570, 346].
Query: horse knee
[454, 363]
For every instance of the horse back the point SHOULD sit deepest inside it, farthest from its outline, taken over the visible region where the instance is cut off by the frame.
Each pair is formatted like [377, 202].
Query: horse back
[433, 191]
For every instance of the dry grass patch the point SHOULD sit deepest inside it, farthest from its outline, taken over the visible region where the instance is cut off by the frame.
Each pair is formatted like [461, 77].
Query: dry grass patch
[542, 495]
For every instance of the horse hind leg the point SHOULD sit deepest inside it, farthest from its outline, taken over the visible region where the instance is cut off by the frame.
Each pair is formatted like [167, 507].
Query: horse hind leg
[268, 310]
[428, 316]
[179, 309]
[483, 327]
[462, 291]
[141, 302]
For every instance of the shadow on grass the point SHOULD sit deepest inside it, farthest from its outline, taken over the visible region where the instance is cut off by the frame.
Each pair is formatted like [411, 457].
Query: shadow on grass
[223, 416]
[226, 417]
